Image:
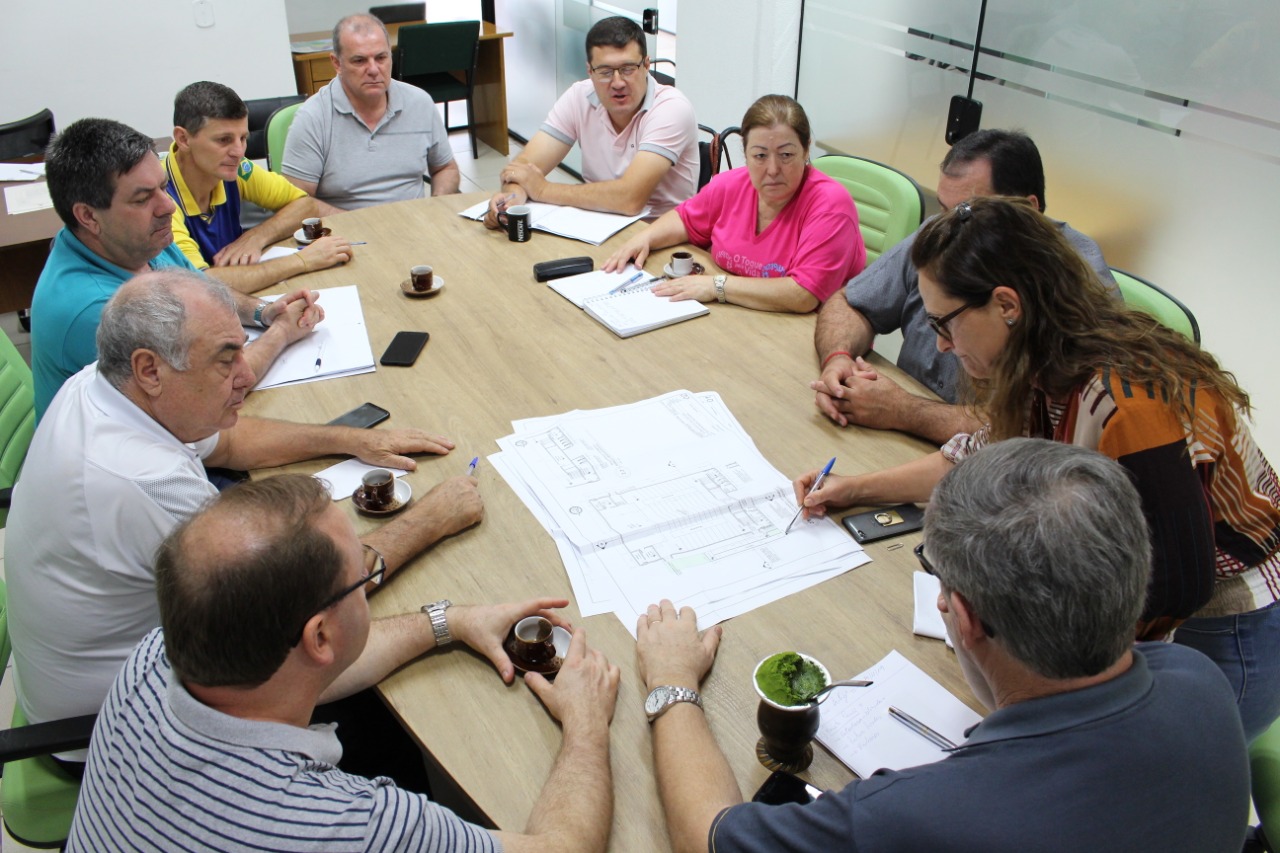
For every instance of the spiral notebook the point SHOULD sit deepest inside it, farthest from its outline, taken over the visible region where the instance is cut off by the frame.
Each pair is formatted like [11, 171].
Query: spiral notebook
[631, 312]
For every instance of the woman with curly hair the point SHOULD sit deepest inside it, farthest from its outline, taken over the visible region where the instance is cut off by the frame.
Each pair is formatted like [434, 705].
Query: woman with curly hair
[1048, 354]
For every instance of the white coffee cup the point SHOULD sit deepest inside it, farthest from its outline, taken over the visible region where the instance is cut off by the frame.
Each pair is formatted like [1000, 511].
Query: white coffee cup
[681, 263]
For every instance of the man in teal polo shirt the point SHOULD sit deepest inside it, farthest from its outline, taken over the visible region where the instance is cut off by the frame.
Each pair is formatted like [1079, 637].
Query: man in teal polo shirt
[108, 186]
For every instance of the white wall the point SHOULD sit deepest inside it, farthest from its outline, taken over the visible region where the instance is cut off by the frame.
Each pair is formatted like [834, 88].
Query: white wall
[126, 61]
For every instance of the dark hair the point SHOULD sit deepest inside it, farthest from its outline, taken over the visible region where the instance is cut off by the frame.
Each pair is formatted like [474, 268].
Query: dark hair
[1016, 168]
[1049, 544]
[777, 109]
[231, 612]
[199, 102]
[616, 32]
[1069, 327]
[83, 163]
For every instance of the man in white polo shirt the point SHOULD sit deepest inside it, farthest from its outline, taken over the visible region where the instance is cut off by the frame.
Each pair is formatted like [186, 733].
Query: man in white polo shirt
[639, 138]
[366, 139]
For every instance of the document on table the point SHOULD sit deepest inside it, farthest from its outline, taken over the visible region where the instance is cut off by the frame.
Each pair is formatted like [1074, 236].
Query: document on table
[589, 226]
[667, 498]
[855, 725]
[21, 171]
[338, 347]
[27, 198]
[633, 310]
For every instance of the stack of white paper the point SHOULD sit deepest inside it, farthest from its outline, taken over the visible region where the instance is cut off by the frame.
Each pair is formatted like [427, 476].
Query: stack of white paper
[668, 498]
[338, 347]
[623, 301]
[589, 226]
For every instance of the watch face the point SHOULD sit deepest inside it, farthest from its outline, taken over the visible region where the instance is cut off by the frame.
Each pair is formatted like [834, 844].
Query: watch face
[653, 704]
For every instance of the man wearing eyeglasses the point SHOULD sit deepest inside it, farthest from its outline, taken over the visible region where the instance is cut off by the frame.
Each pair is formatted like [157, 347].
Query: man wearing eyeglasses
[262, 601]
[116, 463]
[1091, 743]
[638, 137]
[886, 298]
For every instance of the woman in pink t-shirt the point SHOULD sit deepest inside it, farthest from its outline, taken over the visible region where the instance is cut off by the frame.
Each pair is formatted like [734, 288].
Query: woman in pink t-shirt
[785, 234]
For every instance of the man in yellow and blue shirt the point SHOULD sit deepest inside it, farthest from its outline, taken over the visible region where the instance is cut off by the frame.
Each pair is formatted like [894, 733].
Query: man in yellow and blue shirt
[208, 177]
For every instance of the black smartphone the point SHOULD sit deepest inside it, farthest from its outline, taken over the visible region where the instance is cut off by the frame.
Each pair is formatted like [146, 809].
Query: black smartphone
[404, 349]
[362, 417]
[884, 523]
[782, 787]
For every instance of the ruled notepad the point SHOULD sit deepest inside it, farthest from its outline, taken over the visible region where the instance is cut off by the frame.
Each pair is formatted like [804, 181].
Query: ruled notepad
[631, 312]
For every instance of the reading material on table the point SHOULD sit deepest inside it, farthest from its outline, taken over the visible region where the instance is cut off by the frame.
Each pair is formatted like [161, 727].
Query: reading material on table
[338, 347]
[667, 498]
[589, 226]
[630, 311]
[27, 198]
[856, 727]
[21, 171]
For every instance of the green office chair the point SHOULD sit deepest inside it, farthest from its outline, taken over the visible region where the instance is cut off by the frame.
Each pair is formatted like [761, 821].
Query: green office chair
[37, 796]
[441, 60]
[277, 132]
[890, 204]
[1264, 767]
[17, 420]
[1145, 296]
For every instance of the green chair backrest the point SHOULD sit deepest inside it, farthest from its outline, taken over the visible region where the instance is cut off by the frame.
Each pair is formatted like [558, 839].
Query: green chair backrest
[1145, 296]
[1264, 769]
[17, 414]
[437, 48]
[38, 798]
[277, 132]
[890, 204]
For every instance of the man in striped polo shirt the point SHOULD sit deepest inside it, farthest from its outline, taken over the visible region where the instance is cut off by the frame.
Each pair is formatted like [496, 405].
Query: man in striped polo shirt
[204, 743]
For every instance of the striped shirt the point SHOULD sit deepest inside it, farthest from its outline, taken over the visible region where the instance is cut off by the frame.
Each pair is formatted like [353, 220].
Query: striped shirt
[1210, 496]
[167, 773]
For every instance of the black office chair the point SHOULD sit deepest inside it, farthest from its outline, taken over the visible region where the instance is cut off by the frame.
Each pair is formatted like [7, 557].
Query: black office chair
[400, 13]
[260, 112]
[662, 77]
[431, 56]
[27, 137]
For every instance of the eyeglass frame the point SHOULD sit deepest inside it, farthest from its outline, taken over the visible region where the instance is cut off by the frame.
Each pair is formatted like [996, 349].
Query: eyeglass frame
[626, 70]
[374, 577]
[939, 324]
[928, 567]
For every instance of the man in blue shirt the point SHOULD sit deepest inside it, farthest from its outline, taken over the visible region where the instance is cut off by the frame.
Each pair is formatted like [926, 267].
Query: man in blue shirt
[1092, 743]
[107, 185]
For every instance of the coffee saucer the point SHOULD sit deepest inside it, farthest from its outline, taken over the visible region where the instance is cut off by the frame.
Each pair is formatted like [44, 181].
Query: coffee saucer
[698, 269]
[301, 237]
[400, 500]
[437, 284]
[559, 636]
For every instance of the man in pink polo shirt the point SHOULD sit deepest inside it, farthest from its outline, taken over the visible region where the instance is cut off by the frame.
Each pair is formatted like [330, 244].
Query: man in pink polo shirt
[639, 138]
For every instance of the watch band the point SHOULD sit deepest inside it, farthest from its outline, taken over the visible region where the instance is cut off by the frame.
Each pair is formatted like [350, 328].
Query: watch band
[257, 315]
[439, 620]
[663, 697]
[719, 283]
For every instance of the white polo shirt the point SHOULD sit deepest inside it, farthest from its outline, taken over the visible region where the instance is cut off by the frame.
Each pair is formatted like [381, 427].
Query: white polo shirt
[102, 486]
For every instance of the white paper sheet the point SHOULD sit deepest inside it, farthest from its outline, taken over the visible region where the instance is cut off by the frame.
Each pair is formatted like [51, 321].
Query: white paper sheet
[340, 344]
[27, 198]
[589, 226]
[21, 171]
[345, 477]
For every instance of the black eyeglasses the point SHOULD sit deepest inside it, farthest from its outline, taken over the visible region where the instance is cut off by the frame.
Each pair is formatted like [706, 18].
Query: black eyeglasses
[928, 567]
[375, 566]
[939, 324]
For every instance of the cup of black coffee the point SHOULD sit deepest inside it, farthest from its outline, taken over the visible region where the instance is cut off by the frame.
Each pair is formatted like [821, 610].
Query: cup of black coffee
[532, 644]
[313, 229]
[422, 277]
[518, 230]
[681, 264]
[379, 487]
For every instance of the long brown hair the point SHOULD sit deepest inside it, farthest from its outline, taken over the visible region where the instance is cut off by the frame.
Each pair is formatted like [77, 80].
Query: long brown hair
[1069, 327]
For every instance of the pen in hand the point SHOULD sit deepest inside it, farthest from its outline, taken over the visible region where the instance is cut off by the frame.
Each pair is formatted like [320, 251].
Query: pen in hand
[938, 740]
[817, 484]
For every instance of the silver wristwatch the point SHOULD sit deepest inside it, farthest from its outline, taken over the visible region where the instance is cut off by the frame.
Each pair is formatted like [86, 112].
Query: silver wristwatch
[439, 621]
[662, 698]
[257, 315]
[719, 283]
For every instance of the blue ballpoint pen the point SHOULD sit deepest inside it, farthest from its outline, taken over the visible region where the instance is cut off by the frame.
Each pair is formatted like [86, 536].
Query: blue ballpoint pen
[471, 469]
[816, 485]
[639, 275]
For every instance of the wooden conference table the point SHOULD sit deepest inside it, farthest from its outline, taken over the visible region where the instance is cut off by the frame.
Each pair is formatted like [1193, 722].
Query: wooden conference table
[313, 70]
[505, 347]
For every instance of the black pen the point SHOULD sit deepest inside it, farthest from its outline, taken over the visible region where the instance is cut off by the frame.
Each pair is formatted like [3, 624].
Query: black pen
[940, 741]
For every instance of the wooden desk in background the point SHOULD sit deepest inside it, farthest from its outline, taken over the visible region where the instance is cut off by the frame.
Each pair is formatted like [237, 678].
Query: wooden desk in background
[313, 70]
[505, 347]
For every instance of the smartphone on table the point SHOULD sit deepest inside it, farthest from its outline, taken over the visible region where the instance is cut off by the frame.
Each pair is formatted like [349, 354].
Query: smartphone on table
[362, 417]
[883, 523]
[404, 348]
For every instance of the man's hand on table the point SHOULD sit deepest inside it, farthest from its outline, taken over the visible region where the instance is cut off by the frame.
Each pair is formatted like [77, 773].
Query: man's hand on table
[493, 218]
[297, 313]
[386, 448]
[586, 687]
[485, 627]
[669, 648]
[853, 392]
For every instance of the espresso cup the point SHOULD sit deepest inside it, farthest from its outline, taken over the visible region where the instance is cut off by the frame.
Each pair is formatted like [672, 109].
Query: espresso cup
[313, 229]
[533, 641]
[379, 488]
[681, 264]
[422, 278]
[518, 230]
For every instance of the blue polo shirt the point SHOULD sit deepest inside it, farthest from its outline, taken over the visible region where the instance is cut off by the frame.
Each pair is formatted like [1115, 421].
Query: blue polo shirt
[70, 295]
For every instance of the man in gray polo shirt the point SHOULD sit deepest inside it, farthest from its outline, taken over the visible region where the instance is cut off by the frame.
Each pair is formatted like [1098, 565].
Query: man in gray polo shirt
[1092, 743]
[366, 139]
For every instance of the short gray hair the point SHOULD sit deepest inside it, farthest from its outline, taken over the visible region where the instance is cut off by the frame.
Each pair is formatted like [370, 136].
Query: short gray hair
[1049, 544]
[358, 23]
[148, 312]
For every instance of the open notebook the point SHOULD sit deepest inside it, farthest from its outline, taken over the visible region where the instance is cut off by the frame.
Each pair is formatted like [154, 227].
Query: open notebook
[630, 312]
